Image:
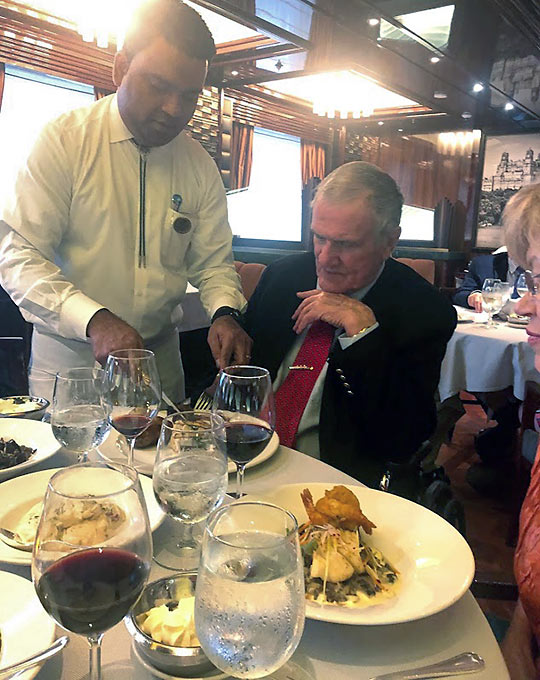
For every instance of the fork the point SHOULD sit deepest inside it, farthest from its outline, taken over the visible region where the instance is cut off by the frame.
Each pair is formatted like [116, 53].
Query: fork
[204, 402]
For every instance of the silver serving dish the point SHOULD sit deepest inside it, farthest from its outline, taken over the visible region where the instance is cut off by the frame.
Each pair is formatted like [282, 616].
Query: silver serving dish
[183, 662]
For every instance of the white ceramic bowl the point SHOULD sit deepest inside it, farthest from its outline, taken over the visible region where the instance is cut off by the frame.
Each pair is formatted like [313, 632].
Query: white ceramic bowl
[23, 406]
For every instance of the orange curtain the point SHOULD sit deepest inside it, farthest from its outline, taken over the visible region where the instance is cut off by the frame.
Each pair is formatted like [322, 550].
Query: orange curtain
[241, 155]
[2, 80]
[100, 92]
[313, 158]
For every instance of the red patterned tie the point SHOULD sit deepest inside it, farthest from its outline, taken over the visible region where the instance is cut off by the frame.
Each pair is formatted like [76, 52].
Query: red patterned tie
[293, 394]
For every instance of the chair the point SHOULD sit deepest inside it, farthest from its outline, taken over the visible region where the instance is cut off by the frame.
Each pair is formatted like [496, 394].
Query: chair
[425, 268]
[249, 273]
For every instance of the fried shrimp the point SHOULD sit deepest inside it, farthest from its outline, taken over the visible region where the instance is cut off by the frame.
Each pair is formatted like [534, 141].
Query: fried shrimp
[339, 507]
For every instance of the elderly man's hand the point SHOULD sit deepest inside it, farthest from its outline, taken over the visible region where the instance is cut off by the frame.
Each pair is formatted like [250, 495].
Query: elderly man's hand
[108, 333]
[229, 343]
[475, 301]
[339, 310]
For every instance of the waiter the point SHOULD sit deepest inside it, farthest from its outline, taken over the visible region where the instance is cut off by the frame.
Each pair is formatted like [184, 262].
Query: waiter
[117, 208]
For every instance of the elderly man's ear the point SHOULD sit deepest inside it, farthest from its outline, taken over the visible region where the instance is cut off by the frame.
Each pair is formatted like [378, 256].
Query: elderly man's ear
[120, 67]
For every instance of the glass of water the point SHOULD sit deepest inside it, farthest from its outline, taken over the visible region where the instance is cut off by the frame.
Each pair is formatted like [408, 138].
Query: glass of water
[492, 299]
[190, 480]
[79, 416]
[521, 285]
[249, 598]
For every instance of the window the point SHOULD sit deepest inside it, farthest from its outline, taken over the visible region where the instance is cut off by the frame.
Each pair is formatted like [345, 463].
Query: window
[417, 224]
[271, 207]
[30, 100]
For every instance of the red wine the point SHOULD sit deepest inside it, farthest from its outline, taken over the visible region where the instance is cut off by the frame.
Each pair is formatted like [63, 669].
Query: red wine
[92, 590]
[131, 426]
[244, 440]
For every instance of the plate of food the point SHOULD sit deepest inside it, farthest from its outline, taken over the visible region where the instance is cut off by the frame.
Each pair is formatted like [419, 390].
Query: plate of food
[22, 503]
[373, 558]
[115, 448]
[517, 320]
[24, 443]
[25, 627]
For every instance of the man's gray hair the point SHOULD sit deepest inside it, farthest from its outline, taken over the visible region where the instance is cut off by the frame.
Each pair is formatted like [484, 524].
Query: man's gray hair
[521, 221]
[356, 180]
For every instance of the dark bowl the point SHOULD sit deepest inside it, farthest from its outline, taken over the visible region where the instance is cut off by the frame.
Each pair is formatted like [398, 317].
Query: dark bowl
[183, 662]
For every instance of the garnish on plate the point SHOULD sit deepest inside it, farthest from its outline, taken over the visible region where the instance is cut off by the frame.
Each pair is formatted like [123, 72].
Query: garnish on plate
[339, 567]
[12, 453]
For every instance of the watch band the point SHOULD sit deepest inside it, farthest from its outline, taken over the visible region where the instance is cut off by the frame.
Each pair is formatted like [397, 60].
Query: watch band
[227, 311]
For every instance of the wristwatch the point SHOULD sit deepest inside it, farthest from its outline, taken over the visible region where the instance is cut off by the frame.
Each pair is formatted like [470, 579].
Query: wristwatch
[227, 311]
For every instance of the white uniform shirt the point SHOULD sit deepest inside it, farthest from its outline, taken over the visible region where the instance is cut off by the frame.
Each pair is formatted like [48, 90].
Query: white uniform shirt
[69, 242]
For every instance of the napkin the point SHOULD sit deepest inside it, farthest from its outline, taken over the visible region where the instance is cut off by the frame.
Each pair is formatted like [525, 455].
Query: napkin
[464, 315]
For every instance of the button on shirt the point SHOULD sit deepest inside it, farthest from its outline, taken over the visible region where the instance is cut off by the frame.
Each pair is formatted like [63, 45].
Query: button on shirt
[307, 438]
[69, 241]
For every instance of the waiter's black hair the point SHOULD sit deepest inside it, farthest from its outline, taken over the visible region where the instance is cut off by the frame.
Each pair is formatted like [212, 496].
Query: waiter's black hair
[179, 24]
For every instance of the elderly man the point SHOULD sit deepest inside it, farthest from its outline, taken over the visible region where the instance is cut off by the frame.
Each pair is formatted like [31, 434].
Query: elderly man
[353, 339]
[117, 209]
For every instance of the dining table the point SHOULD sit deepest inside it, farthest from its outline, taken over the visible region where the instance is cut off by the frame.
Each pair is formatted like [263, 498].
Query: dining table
[327, 651]
[487, 359]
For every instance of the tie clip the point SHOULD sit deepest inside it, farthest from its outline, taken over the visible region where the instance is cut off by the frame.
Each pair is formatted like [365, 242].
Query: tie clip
[301, 367]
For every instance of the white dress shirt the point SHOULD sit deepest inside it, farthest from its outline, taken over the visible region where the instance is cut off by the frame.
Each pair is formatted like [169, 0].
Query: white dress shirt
[307, 437]
[69, 240]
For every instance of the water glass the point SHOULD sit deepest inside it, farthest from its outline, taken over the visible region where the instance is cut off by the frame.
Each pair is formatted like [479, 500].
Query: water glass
[521, 285]
[79, 417]
[190, 480]
[93, 550]
[492, 299]
[249, 598]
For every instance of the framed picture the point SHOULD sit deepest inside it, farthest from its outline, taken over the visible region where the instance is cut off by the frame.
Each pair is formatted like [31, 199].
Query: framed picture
[510, 162]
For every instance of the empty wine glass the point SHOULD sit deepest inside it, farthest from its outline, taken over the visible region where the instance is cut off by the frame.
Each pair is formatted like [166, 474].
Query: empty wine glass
[249, 598]
[245, 400]
[132, 389]
[93, 550]
[492, 301]
[521, 285]
[79, 417]
[190, 479]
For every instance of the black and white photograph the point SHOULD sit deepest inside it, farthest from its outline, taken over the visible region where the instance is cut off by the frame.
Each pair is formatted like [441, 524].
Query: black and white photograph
[511, 162]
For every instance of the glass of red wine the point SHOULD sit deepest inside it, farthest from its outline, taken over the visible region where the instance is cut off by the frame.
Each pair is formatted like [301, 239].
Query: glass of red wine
[132, 390]
[245, 400]
[93, 550]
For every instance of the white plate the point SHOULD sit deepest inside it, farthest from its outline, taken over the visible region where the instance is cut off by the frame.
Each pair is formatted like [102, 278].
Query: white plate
[25, 626]
[435, 562]
[113, 449]
[22, 492]
[466, 315]
[32, 433]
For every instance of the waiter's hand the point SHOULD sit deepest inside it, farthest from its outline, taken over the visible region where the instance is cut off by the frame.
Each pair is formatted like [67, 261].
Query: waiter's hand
[108, 333]
[229, 342]
[475, 301]
[339, 310]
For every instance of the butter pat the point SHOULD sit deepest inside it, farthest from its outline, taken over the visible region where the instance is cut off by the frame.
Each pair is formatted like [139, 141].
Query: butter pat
[171, 626]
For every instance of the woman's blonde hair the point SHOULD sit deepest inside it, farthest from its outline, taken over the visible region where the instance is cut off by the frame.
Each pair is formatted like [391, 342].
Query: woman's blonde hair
[521, 221]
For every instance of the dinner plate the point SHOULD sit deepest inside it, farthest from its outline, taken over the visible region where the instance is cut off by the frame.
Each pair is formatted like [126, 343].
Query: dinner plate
[114, 448]
[25, 626]
[435, 563]
[20, 494]
[33, 433]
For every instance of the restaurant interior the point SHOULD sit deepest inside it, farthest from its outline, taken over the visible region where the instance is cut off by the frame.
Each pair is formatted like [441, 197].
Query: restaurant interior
[443, 95]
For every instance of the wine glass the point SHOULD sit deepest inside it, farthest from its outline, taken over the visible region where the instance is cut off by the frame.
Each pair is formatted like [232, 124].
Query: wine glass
[79, 417]
[190, 479]
[249, 597]
[521, 285]
[492, 301]
[132, 389]
[93, 550]
[245, 400]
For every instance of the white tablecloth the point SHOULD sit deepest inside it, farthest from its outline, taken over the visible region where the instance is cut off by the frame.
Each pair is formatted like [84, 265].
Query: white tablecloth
[481, 359]
[327, 651]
